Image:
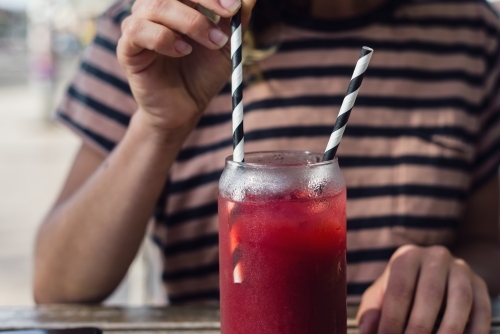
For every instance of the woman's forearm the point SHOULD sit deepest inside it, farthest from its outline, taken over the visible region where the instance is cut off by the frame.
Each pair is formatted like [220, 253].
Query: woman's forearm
[88, 241]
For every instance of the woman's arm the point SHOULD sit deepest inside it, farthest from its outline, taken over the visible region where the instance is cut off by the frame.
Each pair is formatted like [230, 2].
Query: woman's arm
[91, 236]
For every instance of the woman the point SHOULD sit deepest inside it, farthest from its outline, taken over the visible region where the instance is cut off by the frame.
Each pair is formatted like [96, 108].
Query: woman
[420, 155]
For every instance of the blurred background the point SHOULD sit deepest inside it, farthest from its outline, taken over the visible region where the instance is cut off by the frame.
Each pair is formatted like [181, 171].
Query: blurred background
[40, 45]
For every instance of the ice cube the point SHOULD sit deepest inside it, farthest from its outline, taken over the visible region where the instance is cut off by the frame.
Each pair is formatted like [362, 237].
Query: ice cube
[319, 205]
[238, 274]
[234, 239]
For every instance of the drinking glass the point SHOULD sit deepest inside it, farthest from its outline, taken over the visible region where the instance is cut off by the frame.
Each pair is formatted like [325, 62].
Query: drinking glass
[282, 239]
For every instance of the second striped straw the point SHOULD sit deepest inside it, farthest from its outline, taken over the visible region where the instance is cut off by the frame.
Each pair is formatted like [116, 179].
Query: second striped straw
[348, 104]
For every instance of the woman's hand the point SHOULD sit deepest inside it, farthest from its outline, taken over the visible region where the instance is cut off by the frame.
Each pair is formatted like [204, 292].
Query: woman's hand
[417, 284]
[175, 58]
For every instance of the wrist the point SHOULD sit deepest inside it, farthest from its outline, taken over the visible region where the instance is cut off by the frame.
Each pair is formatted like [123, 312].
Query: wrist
[144, 126]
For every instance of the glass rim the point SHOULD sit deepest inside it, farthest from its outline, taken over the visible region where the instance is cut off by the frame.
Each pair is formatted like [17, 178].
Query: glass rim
[231, 162]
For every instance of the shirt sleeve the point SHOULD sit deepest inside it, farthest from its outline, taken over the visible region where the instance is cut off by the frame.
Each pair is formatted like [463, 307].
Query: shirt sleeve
[487, 155]
[98, 104]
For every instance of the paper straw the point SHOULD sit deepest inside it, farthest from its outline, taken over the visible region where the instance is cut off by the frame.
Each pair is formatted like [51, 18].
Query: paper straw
[238, 134]
[237, 88]
[348, 104]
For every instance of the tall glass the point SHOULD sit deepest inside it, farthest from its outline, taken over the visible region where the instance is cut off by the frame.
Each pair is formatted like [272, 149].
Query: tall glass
[282, 237]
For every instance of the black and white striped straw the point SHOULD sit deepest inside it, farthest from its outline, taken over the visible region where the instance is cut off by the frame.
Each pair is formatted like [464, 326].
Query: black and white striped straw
[237, 88]
[238, 134]
[348, 104]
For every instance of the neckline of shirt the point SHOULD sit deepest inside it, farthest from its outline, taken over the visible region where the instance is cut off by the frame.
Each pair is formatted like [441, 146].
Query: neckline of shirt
[384, 11]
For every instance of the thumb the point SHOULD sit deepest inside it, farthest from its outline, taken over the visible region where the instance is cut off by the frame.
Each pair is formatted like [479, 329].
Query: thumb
[370, 309]
[246, 13]
[368, 323]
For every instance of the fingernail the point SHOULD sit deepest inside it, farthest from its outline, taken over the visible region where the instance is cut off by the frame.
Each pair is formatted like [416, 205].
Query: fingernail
[230, 5]
[218, 37]
[182, 47]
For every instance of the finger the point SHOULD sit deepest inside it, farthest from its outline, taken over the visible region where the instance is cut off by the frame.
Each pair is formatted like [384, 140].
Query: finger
[369, 321]
[430, 291]
[225, 24]
[405, 265]
[184, 20]
[369, 312]
[139, 35]
[480, 319]
[459, 300]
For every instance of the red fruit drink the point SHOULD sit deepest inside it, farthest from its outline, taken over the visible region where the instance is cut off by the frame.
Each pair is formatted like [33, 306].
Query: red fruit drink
[282, 239]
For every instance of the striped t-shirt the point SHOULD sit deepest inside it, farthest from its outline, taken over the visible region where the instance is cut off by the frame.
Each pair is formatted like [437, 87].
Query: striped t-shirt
[424, 134]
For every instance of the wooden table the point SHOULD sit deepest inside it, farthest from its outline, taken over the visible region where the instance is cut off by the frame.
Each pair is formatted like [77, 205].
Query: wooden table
[114, 320]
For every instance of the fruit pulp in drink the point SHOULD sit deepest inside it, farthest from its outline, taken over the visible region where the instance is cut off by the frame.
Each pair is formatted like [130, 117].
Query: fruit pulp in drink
[283, 265]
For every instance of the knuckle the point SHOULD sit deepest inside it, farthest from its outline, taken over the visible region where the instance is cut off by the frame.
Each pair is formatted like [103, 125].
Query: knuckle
[462, 265]
[462, 273]
[132, 27]
[160, 40]
[440, 253]
[405, 261]
[190, 22]
[406, 250]
[193, 23]
[410, 247]
[152, 7]
[125, 23]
